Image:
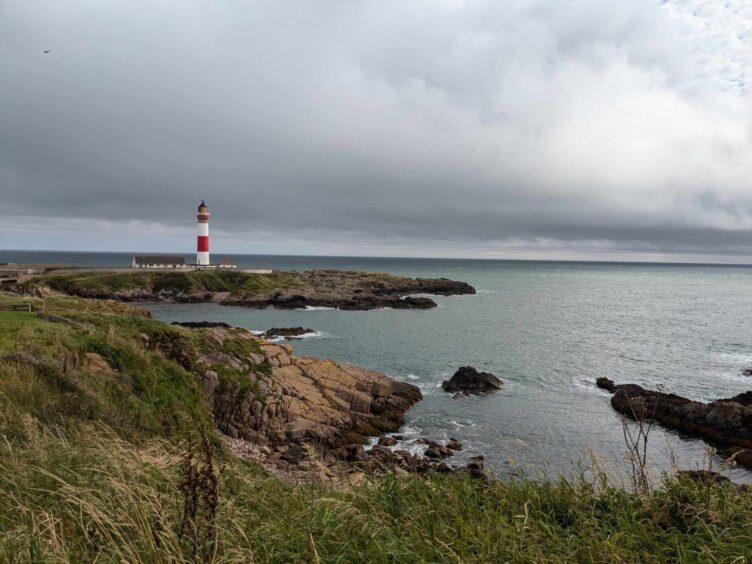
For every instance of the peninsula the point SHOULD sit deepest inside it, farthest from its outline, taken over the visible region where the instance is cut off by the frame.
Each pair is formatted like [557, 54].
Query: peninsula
[284, 290]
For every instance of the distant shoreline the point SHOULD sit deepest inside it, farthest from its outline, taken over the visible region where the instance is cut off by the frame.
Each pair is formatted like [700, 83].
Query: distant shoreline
[339, 289]
[128, 255]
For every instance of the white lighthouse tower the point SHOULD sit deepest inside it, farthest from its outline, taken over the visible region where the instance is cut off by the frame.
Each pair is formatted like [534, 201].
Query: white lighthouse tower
[202, 243]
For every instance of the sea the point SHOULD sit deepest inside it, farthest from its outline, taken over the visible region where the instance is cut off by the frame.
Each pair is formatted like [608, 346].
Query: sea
[548, 330]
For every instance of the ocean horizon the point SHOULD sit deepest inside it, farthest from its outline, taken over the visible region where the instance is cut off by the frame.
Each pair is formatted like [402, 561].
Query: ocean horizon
[122, 259]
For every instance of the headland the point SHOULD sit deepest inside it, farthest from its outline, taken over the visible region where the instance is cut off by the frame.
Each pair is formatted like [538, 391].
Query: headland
[279, 289]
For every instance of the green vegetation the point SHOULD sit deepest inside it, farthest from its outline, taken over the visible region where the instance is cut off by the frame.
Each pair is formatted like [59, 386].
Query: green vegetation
[104, 462]
[242, 347]
[49, 367]
[189, 281]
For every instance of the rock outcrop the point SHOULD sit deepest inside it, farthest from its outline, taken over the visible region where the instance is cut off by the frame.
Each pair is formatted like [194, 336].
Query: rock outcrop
[468, 380]
[352, 291]
[304, 416]
[259, 391]
[348, 462]
[201, 324]
[726, 423]
[287, 332]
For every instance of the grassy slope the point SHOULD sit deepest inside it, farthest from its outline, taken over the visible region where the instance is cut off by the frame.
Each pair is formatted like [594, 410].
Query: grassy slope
[188, 281]
[91, 467]
[147, 396]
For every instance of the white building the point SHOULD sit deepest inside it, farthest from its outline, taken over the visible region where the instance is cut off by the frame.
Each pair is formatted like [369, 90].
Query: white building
[160, 261]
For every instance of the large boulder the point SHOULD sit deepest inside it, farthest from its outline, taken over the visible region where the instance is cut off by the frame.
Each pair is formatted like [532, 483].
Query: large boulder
[606, 384]
[287, 332]
[468, 380]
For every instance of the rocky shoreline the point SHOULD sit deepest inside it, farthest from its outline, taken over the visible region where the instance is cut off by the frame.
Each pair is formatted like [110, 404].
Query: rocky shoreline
[347, 290]
[288, 413]
[295, 415]
[725, 423]
[353, 291]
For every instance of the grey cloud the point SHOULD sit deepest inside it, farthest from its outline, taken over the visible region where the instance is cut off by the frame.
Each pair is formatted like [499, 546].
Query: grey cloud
[388, 123]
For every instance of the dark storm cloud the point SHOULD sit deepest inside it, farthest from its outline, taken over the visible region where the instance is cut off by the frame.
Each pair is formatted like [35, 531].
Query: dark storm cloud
[584, 125]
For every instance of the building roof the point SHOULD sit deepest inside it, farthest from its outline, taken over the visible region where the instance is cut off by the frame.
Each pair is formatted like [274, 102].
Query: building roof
[159, 259]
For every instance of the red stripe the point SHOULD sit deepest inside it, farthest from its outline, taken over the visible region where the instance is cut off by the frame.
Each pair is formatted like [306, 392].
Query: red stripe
[203, 244]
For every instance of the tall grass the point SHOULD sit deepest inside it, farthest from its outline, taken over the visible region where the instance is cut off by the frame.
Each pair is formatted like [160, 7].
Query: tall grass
[89, 495]
[179, 281]
[111, 466]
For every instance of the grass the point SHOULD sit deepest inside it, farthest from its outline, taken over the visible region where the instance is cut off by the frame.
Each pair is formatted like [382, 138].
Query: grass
[96, 465]
[90, 495]
[182, 282]
[142, 393]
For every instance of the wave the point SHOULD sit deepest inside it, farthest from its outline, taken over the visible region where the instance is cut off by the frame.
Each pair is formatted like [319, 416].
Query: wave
[588, 385]
[467, 424]
[314, 335]
[633, 359]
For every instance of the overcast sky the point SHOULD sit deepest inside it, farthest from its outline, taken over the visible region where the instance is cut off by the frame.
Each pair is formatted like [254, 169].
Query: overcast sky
[522, 129]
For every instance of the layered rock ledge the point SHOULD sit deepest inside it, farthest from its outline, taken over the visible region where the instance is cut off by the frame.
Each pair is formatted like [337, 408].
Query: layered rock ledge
[725, 423]
[260, 392]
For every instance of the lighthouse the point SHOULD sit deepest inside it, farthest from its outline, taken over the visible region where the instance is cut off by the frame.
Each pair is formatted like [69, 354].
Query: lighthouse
[202, 243]
[164, 262]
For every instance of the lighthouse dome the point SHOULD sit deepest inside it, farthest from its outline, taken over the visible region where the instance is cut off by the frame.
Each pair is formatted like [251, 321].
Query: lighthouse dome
[202, 206]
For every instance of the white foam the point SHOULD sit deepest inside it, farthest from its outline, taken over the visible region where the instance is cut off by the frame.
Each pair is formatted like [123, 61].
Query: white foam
[426, 388]
[313, 335]
[409, 431]
[586, 385]
[735, 357]
[468, 424]
[412, 447]
[317, 308]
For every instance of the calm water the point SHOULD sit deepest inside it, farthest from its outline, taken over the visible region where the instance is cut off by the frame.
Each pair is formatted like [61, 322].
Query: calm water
[548, 330]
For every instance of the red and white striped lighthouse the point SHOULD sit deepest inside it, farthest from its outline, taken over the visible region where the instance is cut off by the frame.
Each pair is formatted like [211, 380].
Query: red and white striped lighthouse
[202, 243]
